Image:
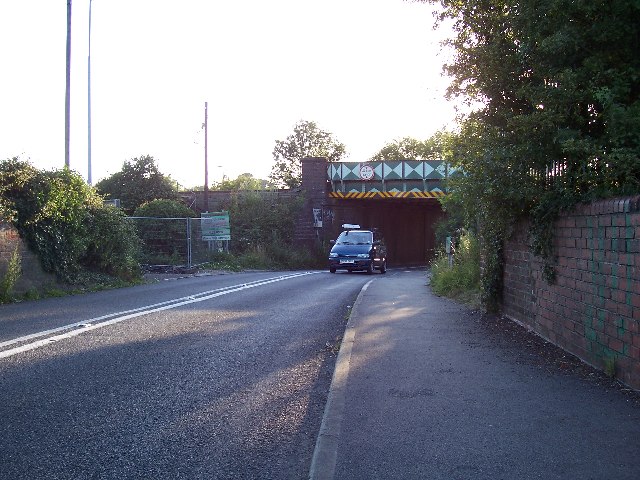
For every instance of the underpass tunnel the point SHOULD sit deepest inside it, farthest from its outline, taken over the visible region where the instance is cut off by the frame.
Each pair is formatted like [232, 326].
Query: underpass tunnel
[408, 226]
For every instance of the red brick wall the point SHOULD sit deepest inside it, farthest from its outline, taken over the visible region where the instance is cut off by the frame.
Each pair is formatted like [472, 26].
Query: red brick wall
[314, 190]
[593, 308]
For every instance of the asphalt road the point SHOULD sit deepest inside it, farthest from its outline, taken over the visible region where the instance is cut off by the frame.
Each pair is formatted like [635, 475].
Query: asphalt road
[216, 377]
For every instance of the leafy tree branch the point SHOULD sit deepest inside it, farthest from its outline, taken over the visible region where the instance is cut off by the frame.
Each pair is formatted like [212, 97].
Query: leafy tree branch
[307, 140]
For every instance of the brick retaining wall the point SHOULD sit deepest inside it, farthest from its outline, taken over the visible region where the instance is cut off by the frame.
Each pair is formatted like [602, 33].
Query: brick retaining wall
[33, 278]
[593, 308]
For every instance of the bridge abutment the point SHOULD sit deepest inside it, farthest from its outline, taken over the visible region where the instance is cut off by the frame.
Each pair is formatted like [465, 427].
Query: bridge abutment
[310, 223]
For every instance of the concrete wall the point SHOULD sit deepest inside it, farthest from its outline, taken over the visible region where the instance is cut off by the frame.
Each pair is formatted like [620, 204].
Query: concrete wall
[593, 308]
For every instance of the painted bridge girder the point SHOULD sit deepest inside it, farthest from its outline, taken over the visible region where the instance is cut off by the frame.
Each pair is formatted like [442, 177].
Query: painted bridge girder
[419, 179]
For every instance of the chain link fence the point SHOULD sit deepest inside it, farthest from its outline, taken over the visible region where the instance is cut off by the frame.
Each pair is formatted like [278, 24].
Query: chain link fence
[170, 243]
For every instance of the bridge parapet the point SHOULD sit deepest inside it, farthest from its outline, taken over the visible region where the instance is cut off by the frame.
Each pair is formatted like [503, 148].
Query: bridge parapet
[389, 179]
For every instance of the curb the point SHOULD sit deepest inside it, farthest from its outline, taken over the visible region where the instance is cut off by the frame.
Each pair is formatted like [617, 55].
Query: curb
[323, 463]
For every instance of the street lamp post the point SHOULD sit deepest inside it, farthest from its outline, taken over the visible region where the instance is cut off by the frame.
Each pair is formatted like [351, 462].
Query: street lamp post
[89, 103]
[67, 96]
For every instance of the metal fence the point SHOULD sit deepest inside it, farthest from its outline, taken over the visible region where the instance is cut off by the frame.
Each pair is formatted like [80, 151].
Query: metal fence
[174, 242]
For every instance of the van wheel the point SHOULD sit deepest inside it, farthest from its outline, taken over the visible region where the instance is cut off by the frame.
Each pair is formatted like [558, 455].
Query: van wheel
[383, 267]
[370, 268]
[332, 270]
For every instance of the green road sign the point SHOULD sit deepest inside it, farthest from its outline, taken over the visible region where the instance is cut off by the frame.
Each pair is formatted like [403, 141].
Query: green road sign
[215, 226]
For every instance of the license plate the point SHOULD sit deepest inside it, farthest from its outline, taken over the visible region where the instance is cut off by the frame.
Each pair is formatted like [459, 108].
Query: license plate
[347, 261]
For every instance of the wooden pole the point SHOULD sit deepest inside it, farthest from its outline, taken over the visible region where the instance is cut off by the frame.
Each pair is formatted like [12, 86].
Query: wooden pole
[206, 167]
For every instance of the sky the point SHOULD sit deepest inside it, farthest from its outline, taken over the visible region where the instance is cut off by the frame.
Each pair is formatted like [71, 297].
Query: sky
[367, 71]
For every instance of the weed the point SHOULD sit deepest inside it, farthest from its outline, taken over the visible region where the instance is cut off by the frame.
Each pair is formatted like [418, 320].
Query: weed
[8, 282]
[461, 280]
[55, 292]
[610, 366]
[348, 314]
[32, 294]
[264, 258]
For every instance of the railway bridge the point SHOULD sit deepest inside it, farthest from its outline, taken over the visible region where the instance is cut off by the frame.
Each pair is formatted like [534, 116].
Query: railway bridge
[400, 198]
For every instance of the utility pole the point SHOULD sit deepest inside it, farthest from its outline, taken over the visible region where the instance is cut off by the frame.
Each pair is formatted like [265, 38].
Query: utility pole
[67, 97]
[206, 167]
[89, 103]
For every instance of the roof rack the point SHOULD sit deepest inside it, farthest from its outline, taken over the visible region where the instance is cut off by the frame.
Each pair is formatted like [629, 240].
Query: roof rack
[350, 226]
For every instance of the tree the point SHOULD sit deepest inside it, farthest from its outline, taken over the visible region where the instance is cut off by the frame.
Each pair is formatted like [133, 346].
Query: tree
[245, 181]
[138, 182]
[307, 140]
[411, 149]
[558, 84]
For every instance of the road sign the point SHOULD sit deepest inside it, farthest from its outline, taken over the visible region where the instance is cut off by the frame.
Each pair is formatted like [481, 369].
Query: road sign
[366, 172]
[215, 226]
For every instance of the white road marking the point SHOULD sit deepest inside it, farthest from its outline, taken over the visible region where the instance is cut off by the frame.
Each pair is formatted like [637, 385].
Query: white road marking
[84, 326]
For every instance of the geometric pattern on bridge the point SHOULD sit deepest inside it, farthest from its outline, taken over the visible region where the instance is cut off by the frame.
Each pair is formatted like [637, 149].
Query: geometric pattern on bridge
[436, 193]
[420, 179]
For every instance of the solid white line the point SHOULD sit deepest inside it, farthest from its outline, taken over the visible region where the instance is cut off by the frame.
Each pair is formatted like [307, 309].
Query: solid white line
[95, 323]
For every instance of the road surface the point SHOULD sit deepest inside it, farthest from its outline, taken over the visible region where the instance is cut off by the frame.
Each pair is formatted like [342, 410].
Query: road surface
[222, 376]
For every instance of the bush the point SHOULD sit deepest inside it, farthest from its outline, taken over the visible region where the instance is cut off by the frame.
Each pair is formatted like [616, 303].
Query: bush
[463, 277]
[262, 223]
[56, 212]
[262, 233]
[113, 246]
[223, 261]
